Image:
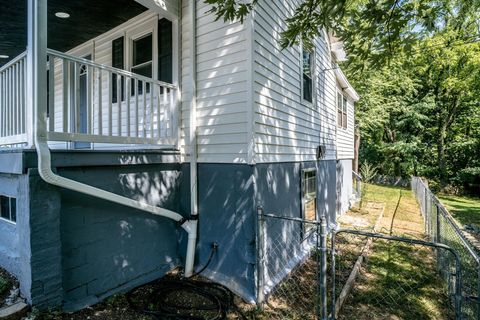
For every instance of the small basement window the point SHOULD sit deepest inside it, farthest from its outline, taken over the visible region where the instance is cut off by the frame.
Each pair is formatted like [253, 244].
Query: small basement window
[307, 74]
[309, 194]
[8, 208]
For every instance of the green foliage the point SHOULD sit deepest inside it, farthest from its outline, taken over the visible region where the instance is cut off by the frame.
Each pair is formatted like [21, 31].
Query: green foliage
[4, 285]
[373, 31]
[419, 115]
[368, 172]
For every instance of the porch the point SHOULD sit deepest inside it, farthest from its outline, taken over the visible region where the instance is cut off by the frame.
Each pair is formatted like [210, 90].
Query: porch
[83, 101]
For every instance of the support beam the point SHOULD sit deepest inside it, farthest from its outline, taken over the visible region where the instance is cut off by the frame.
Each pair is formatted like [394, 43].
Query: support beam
[36, 113]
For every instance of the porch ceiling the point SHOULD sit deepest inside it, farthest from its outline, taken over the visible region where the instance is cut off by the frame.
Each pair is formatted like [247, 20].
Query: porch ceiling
[88, 19]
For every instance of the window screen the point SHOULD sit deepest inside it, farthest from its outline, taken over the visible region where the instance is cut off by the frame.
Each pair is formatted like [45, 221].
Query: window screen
[342, 105]
[142, 59]
[307, 76]
[118, 61]
[8, 208]
[165, 54]
[309, 191]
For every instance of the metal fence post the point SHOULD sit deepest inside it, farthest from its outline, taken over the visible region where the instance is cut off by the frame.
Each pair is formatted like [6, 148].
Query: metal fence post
[478, 293]
[438, 238]
[458, 289]
[322, 278]
[261, 257]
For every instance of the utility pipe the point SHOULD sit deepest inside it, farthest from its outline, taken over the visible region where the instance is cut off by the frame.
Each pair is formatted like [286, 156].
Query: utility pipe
[192, 237]
[37, 100]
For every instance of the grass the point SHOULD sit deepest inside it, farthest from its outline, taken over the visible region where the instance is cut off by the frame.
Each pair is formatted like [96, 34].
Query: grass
[464, 209]
[397, 281]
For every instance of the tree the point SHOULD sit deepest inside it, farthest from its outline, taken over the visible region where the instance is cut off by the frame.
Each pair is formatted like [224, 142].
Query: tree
[373, 30]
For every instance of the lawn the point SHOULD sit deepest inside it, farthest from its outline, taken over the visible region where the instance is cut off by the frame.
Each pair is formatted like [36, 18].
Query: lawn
[397, 280]
[464, 209]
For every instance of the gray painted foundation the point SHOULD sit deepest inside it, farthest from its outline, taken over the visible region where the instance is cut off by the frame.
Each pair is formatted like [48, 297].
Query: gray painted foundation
[74, 250]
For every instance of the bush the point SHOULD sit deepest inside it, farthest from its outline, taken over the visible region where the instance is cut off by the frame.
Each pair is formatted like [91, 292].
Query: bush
[469, 179]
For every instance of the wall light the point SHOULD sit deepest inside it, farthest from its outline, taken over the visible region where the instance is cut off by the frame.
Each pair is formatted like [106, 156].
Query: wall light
[4, 56]
[62, 15]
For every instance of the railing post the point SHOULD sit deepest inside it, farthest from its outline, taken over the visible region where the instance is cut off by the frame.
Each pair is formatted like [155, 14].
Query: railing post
[322, 269]
[36, 109]
[260, 257]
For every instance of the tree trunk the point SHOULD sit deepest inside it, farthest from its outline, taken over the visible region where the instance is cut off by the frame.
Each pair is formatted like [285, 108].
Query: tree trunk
[356, 143]
[442, 167]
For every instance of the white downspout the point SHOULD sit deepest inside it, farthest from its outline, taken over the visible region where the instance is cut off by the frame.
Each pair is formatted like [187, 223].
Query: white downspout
[37, 101]
[192, 236]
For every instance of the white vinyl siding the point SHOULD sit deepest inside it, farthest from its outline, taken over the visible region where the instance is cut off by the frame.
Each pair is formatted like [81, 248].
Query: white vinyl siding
[287, 128]
[221, 87]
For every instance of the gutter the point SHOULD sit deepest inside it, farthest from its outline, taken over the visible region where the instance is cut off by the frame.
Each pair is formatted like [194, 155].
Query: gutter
[192, 236]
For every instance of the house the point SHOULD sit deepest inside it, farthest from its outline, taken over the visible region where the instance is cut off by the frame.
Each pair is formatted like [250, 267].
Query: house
[136, 134]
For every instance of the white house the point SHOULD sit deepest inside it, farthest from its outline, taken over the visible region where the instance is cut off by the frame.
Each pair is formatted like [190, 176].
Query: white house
[135, 134]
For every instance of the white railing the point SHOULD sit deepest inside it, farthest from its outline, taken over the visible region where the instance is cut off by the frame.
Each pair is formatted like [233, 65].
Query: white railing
[13, 129]
[89, 102]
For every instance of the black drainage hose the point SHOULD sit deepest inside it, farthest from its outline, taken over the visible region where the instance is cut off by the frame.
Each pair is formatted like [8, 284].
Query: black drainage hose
[184, 299]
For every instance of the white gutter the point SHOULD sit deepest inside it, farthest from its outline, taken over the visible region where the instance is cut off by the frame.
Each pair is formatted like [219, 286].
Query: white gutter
[192, 237]
[346, 86]
[36, 57]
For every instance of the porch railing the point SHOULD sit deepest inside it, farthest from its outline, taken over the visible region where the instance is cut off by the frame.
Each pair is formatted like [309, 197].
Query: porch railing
[102, 104]
[90, 103]
[13, 101]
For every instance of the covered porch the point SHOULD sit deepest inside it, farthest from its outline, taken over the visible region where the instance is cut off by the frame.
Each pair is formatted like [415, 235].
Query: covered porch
[55, 84]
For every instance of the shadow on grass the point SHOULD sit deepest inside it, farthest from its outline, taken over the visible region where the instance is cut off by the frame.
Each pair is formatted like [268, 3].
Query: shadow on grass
[398, 281]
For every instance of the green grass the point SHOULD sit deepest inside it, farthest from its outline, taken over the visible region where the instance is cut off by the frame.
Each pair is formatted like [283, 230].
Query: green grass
[464, 209]
[398, 280]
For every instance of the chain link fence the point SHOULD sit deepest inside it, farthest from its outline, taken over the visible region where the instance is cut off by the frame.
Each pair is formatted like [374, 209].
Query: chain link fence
[290, 270]
[378, 276]
[441, 228]
[356, 276]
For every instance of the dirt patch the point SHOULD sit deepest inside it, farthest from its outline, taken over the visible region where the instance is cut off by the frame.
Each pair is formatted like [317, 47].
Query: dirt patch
[176, 299]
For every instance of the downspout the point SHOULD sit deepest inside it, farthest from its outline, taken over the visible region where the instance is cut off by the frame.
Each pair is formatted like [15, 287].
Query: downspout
[37, 100]
[192, 236]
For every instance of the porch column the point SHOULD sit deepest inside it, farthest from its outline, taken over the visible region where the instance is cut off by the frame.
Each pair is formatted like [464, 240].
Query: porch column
[36, 69]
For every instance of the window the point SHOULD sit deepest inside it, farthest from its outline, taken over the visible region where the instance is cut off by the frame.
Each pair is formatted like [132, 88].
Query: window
[165, 50]
[309, 193]
[342, 105]
[118, 61]
[142, 60]
[8, 208]
[307, 73]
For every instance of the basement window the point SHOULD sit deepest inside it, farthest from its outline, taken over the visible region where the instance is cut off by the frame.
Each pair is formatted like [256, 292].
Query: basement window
[8, 208]
[309, 194]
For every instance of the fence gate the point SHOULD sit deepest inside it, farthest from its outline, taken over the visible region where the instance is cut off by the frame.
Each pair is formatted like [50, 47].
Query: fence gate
[376, 276]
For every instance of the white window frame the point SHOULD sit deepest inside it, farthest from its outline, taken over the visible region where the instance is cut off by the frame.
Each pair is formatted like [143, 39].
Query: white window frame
[9, 220]
[304, 194]
[343, 109]
[310, 104]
